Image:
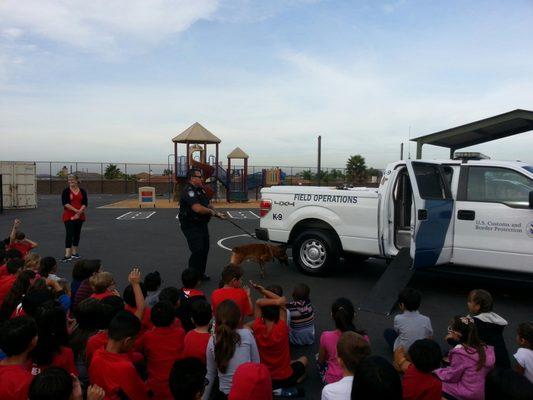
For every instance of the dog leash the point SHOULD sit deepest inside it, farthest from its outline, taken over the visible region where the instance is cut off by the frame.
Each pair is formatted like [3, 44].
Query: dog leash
[241, 228]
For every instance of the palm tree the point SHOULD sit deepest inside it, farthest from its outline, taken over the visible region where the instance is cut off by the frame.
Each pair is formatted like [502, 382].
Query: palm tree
[112, 172]
[356, 168]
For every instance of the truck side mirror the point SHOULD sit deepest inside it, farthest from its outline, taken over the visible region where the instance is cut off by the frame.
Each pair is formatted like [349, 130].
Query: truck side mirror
[531, 199]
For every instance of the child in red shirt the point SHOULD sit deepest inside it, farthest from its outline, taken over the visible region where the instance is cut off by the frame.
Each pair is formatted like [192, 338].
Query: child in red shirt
[188, 295]
[272, 337]
[51, 349]
[130, 305]
[103, 285]
[6, 282]
[18, 337]
[56, 383]
[196, 340]
[18, 240]
[233, 290]
[418, 381]
[162, 346]
[187, 379]
[111, 367]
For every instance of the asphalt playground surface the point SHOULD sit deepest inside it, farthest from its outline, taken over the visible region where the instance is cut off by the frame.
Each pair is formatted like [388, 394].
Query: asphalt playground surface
[152, 240]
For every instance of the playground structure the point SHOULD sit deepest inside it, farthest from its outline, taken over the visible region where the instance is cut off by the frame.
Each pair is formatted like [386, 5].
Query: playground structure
[235, 181]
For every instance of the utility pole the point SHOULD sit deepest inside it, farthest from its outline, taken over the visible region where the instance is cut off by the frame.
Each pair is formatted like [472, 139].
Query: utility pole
[319, 158]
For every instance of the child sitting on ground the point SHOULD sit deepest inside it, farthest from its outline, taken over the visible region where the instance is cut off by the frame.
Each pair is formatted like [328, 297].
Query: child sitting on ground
[130, 301]
[152, 285]
[48, 268]
[56, 383]
[376, 379]
[524, 354]
[410, 325]
[161, 345]
[343, 314]
[32, 261]
[111, 367]
[507, 384]
[233, 290]
[251, 381]
[419, 383]
[189, 294]
[197, 339]
[187, 379]
[52, 344]
[470, 361]
[19, 241]
[18, 337]
[351, 349]
[103, 285]
[272, 337]
[302, 316]
[489, 325]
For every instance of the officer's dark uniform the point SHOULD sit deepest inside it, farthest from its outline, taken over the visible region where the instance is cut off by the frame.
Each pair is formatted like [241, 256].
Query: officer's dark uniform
[194, 225]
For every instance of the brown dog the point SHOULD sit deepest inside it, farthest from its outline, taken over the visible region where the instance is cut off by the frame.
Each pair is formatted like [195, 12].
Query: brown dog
[261, 253]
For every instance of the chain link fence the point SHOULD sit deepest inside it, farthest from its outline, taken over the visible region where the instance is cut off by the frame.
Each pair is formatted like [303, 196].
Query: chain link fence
[126, 178]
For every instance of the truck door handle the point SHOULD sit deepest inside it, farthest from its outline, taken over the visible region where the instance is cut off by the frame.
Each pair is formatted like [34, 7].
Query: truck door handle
[422, 214]
[468, 215]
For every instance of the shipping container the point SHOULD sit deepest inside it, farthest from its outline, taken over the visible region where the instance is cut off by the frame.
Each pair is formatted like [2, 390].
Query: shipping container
[19, 184]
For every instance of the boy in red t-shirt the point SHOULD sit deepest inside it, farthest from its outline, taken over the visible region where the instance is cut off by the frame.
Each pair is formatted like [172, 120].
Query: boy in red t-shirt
[419, 383]
[188, 295]
[111, 368]
[6, 282]
[197, 339]
[18, 337]
[272, 337]
[19, 241]
[162, 346]
[8, 255]
[233, 290]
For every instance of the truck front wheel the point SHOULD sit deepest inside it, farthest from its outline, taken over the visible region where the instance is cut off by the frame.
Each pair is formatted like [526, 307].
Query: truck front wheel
[315, 252]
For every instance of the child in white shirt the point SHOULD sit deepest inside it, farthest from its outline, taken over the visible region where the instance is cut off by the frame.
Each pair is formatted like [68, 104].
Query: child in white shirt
[351, 349]
[524, 354]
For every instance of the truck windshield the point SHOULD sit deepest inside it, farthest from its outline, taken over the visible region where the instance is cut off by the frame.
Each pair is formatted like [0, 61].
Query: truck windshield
[529, 168]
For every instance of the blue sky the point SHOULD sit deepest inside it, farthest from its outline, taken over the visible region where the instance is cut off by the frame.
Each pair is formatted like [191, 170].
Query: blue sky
[114, 80]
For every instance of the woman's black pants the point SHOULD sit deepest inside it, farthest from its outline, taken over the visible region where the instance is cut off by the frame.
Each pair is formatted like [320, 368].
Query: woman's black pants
[73, 231]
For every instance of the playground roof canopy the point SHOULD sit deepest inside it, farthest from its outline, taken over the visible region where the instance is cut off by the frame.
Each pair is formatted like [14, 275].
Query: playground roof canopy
[238, 153]
[196, 133]
[482, 131]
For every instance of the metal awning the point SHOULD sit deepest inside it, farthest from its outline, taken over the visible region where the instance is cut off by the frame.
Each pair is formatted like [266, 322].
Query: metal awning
[482, 131]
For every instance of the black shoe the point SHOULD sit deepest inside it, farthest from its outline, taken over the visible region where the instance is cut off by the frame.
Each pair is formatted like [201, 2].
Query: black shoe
[75, 256]
[205, 277]
[66, 259]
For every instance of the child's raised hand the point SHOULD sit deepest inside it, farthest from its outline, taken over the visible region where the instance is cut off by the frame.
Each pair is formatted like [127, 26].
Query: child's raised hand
[256, 286]
[135, 276]
[17, 223]
[95, 392]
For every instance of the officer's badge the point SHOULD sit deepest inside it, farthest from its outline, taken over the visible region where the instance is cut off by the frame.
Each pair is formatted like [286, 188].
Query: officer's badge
[191, 193]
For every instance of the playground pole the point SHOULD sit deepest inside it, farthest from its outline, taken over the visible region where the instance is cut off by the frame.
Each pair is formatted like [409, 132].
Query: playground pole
[319, 158]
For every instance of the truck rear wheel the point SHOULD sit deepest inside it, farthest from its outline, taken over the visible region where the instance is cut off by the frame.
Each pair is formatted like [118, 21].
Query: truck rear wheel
[315, 252]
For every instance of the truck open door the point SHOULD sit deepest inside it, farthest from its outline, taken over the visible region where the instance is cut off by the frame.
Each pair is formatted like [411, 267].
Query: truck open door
[431, 222]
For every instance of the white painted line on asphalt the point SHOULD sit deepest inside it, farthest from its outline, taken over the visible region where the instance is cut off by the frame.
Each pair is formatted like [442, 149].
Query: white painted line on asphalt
[219, 243]
[229, 214]
[149, 215]
[123, 215]
[251, 212]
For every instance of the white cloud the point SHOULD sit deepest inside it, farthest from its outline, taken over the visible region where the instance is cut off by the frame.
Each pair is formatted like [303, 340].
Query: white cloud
[103, 25]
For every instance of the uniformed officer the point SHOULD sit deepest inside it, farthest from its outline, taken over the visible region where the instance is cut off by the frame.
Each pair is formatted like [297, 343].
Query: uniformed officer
[194, 215]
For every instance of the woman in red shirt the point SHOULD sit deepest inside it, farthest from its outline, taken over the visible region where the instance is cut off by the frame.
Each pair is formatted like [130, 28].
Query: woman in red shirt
[74, 201]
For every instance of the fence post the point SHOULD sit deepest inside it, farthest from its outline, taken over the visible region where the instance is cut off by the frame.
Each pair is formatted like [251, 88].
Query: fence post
[50, 179]
[126, 178]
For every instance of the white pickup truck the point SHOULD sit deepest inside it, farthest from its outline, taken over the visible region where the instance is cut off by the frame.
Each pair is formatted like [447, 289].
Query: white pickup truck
[472, 213]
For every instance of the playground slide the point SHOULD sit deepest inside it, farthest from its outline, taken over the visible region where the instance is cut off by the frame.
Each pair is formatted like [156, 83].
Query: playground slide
[254, 180]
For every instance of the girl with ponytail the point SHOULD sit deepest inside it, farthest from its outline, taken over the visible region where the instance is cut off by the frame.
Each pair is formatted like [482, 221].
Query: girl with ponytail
[227, 349]
[470, 361]
[343, 314]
